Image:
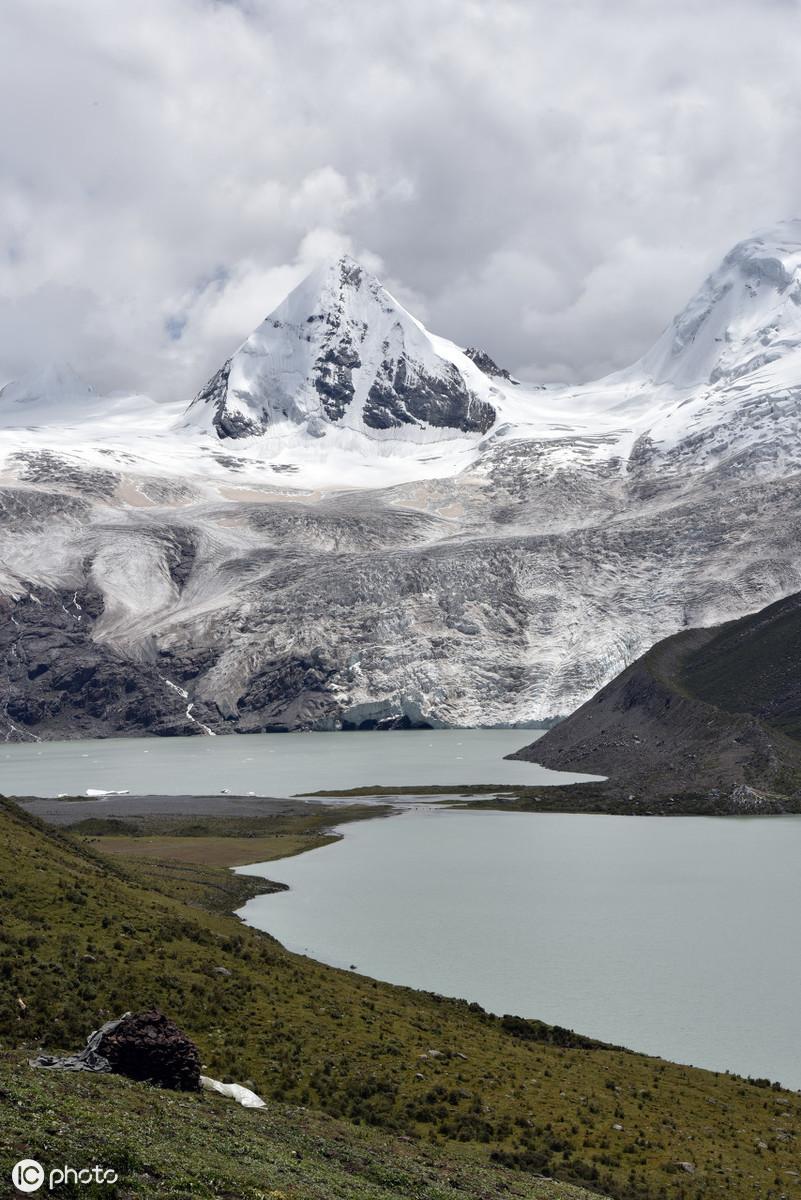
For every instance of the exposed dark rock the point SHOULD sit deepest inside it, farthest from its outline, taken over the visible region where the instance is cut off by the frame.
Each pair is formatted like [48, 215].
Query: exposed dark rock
[400, 396]
[149, 1047]
[334, 377]
[43, 466]
[487, 364]
[181, 548]
[289, 692]
[228, 424]
[24, 506]
[229, 462]
[56, 681]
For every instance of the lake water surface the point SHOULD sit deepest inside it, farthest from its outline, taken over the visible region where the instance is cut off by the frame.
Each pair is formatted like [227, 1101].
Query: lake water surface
[676, 936]
[275, 764]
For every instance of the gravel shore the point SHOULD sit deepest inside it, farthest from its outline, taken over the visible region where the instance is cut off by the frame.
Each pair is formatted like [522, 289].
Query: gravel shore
[68, 812]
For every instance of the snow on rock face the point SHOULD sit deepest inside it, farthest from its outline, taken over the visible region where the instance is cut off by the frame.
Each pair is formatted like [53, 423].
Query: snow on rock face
[341, 351]
[340, 359]
[746, 315]
[392, 530]
[51, 393]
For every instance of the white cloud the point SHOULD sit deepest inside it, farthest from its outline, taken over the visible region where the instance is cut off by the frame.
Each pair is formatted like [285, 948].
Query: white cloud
[550, 181]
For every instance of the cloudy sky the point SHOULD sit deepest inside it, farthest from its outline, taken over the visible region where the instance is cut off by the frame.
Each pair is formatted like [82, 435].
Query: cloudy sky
[547, 180]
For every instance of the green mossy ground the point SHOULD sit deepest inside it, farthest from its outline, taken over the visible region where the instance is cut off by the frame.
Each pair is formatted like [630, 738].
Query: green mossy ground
[170, 1146]
[84, 938]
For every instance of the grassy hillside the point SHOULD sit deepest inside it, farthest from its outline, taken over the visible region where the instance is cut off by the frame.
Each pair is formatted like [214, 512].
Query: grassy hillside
[171, 1146]
[84, 938]
[753, 666]
[707, 721]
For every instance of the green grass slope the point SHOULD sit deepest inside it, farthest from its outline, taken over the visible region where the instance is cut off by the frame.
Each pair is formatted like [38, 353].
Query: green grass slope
[707, 721]
[170, 1146]
[753, 666]
[83, 938]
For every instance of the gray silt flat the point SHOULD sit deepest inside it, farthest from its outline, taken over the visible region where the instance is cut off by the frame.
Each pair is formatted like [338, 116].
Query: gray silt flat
[67, 812]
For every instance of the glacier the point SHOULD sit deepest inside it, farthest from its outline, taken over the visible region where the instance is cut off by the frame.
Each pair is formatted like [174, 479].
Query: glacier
[357, 523]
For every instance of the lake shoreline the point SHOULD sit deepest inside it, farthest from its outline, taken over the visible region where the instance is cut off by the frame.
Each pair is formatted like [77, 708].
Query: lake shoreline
[216, 843]
[578, 799]
[255, 1008]
[601, 798]
[261, 765]
[327, 900]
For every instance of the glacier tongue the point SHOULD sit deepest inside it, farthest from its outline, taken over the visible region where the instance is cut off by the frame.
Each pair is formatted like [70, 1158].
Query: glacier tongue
[356, 520]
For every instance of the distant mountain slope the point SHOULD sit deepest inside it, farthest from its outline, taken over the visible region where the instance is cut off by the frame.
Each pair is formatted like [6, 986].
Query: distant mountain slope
[46, 395]
[754, 666]
[745, 317]
[708, 712]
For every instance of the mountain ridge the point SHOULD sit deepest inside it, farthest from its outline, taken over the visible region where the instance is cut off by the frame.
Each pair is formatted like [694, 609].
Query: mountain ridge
[417, 574]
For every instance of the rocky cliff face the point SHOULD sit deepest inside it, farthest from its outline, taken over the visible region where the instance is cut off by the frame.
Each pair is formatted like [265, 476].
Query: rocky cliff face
[416, 539]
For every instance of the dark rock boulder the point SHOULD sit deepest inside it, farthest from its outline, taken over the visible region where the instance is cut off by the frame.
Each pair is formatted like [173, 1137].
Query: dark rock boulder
[147, 1046]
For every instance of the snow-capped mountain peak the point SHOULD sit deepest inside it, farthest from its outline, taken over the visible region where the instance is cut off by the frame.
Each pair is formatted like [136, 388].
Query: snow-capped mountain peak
[51, 393]
[360, 522]
[746, 315]
[340, 351]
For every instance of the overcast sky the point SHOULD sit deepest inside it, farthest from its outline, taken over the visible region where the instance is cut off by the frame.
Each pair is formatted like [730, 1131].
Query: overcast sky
[548, 180]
